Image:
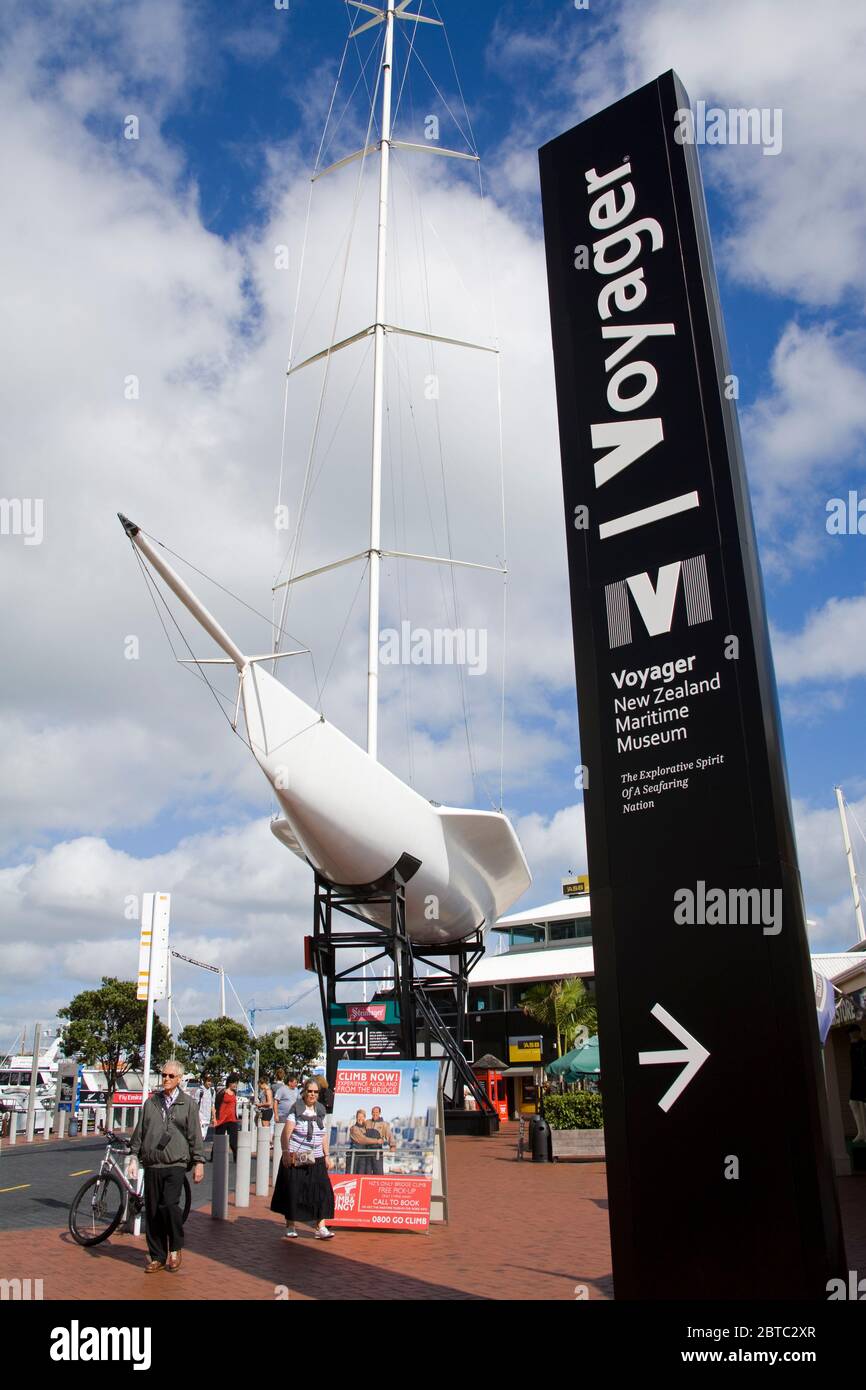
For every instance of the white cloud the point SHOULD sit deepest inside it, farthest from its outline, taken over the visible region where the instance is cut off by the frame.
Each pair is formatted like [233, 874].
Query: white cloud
[831, 644]
[554, 844]
[256, 43]
[797, 220]
[801, 434]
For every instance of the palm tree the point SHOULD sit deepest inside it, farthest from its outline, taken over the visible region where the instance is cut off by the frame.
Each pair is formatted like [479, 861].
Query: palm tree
[562, 1005]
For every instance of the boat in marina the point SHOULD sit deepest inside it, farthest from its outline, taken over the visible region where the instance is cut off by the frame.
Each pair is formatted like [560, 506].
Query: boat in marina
[340, 808]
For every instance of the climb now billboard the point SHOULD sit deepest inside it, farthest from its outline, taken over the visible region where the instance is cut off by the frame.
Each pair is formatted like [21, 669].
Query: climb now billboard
[715, 1123]
[385, 1138]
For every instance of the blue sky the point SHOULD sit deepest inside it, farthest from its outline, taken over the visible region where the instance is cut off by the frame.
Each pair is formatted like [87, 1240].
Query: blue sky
[155, 257]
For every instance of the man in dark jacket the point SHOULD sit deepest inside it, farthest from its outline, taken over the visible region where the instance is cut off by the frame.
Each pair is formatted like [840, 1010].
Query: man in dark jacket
[168, 1141]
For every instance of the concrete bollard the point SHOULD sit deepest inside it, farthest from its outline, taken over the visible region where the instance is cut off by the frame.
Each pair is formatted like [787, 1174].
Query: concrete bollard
[13, 1127]
[244, 1166]
[61, 1124]
[219, 1208]
[277, 1154]
[263, 1161]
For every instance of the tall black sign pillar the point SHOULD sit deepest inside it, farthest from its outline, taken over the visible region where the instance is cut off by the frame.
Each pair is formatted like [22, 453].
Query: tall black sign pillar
[719, 1173]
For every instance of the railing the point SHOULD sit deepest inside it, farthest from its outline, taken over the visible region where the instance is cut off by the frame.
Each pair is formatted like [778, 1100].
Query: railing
[462, 1070]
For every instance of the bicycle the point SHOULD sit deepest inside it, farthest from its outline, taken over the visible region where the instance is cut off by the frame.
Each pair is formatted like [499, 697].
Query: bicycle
[105, 1201]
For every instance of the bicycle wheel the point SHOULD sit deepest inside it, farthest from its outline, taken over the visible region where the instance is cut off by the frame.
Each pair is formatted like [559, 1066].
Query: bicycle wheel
[97, 1209]
[186, 1199]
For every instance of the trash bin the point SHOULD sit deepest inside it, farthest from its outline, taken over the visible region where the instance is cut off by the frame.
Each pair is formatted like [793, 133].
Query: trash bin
[73, 1127]
[539, 1139]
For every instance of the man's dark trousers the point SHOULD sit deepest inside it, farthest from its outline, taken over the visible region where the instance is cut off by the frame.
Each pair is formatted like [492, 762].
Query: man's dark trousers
[162, 1192]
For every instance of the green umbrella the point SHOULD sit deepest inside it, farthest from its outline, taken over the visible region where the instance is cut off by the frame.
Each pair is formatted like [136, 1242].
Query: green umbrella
[580, 1061]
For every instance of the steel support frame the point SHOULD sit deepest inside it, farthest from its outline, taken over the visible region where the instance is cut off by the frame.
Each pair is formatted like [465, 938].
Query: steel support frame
[383, 943]
[389, 942]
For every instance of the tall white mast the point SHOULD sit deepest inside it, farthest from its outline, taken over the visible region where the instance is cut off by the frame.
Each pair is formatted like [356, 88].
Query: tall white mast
[852, 871]
[379, 393]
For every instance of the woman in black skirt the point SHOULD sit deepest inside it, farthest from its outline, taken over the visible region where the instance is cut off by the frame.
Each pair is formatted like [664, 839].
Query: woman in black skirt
[302, 1191]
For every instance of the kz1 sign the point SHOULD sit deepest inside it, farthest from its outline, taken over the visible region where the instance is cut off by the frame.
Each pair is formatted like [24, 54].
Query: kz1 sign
[715, 1124]
[364, 1030]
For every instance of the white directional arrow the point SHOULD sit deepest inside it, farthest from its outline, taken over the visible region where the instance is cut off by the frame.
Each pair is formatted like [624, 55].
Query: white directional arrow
[693, 1056]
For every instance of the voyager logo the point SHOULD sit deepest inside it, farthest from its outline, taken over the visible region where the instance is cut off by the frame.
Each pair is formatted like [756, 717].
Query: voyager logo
[632, 383]
[77, 1343]
[656, 604]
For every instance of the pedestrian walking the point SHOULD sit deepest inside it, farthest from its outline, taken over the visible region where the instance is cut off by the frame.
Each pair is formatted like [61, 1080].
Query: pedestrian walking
[285, 1094]
[206, 1104]
[265, 1103]
[167, 1141]
[320, 1080]
[302, 1191]
[227, 1112]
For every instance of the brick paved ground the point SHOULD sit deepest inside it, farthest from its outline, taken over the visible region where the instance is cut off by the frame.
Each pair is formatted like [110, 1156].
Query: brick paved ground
[517, 1231]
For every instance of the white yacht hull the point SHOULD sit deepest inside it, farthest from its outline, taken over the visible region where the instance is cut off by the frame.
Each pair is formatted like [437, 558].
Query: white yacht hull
[354, 821]
[351, 818]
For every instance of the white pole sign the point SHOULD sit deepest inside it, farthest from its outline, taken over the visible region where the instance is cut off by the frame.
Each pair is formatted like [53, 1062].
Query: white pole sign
[153, 945]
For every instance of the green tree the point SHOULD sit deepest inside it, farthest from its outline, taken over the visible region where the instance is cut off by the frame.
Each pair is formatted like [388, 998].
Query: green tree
[292, 1048]
[106, 1026]
[564, 1006]
[219, 1045]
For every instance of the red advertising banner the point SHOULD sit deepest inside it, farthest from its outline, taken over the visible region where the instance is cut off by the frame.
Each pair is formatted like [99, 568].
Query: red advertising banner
[385, 1140]
[366, 1013]
[127, 1098]
[387, 1203]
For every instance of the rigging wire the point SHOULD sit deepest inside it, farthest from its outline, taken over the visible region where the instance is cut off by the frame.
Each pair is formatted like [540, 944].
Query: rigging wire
[342, 285]
[218, 696]
[346, 403]
[460, 674]
[346, 623]
[362, 75]
[471, 142]
[501, 443]
[853, 817]
[228, 592]
[295, 548]
[295, 316]
[317, 460]
[860, 829]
